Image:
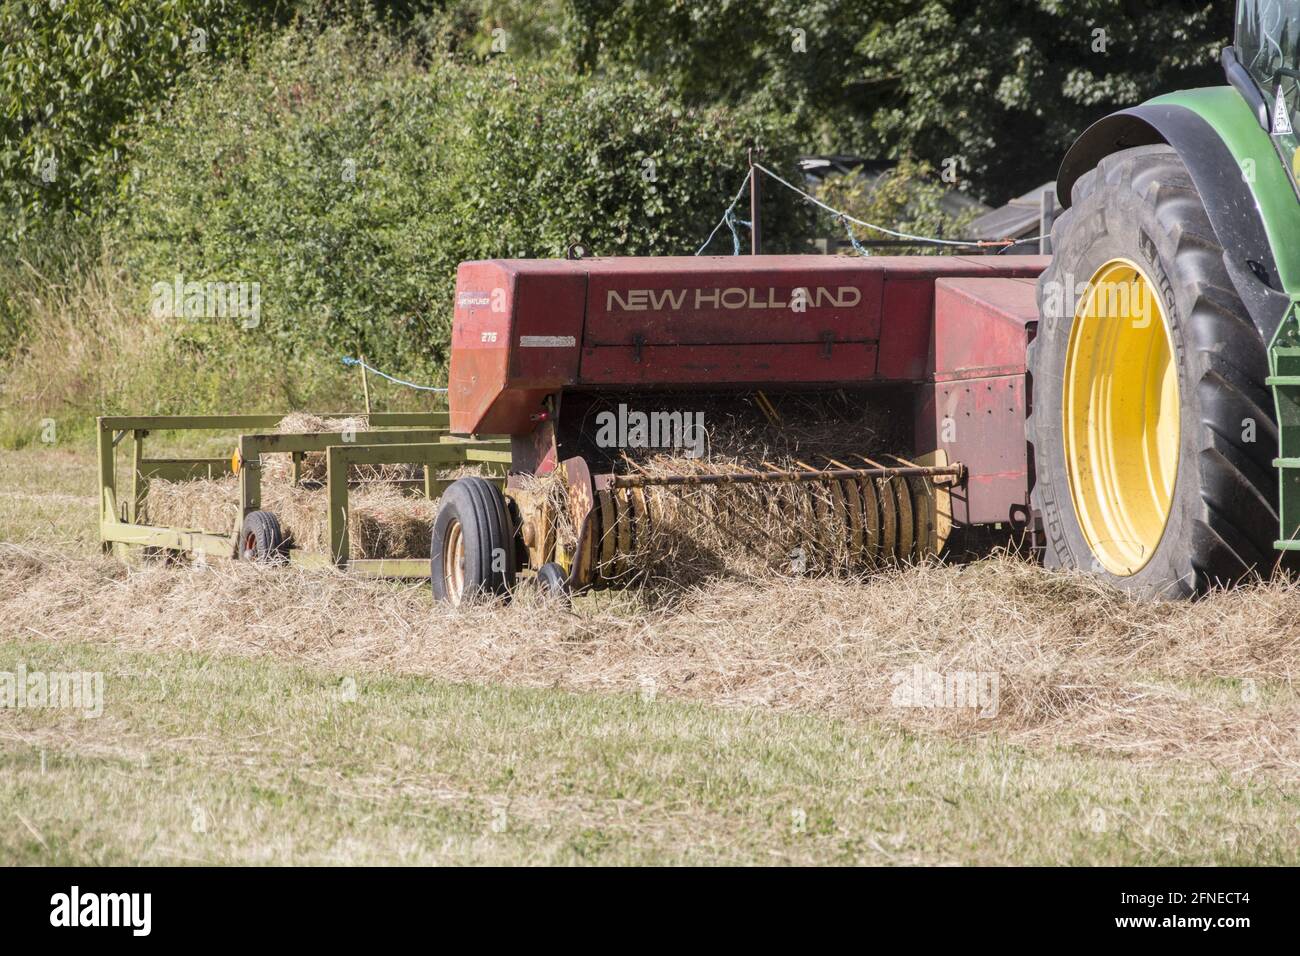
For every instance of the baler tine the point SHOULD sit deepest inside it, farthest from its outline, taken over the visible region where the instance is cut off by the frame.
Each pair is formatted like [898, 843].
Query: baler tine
[785, 477]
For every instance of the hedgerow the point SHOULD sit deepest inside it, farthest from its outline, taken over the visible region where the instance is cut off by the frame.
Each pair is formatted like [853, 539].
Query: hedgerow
[348, 178]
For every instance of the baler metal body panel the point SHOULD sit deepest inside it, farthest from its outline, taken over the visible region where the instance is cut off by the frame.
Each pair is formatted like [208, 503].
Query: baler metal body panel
[527, 329]
[975, 407]
[514, 340]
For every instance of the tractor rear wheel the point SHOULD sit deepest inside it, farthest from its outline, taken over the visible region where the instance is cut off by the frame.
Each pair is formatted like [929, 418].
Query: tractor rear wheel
[1152, 429]
[472, 548]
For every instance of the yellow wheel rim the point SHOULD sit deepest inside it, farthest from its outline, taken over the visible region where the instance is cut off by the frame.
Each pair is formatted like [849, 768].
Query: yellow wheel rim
[1121, 421]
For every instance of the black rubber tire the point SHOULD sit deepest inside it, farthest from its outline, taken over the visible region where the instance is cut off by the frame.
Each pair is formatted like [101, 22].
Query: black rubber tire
[1141, 204]
[261, 540]
[480, 509]
[553, 582]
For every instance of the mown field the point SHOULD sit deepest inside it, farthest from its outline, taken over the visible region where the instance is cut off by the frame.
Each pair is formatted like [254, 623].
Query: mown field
[332, 162]
[274, 716]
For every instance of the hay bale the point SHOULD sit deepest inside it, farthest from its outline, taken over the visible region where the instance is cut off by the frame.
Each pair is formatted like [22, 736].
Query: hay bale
[382, 522]
[304, 423]
[279, 467]
[203, 504]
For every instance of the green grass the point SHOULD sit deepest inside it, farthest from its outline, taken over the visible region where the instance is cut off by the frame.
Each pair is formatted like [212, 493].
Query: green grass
[199, 759]
[47, 498]
[279, 767]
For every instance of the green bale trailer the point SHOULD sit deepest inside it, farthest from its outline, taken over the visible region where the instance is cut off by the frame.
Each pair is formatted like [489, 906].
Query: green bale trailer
[392, 438]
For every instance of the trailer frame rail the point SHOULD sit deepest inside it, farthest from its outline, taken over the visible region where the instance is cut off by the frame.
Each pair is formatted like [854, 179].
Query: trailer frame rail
[419, 438]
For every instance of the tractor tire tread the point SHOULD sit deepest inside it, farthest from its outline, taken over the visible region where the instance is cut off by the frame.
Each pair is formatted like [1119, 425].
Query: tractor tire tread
[1231, 533]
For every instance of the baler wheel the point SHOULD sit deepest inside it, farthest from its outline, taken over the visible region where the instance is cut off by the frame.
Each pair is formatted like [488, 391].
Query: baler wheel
[472, 551]
[552, 581]
[260, 539]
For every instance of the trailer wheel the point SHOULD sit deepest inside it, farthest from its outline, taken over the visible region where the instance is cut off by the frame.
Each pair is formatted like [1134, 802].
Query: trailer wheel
[472, 549]
[261, 539]
[1152, 429]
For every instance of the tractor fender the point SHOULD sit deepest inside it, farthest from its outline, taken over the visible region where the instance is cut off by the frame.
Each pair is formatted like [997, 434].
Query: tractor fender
[1218, 171]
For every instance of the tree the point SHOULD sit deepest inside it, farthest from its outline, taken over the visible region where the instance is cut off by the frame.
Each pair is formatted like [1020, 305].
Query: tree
[997, 87]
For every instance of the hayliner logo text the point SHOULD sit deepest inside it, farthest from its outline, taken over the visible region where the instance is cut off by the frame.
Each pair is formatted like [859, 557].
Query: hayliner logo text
[75, 908]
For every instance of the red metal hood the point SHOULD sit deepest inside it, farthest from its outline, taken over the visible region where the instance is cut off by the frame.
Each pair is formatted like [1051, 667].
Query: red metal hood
[527, 328]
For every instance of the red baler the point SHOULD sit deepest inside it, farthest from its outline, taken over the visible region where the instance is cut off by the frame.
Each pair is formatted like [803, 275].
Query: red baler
[939, 341]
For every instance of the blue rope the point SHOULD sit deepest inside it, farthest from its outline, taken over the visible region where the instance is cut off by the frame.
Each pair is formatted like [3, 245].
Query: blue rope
[731, 219]
[735, 240]
[857, 246]
[349, 361]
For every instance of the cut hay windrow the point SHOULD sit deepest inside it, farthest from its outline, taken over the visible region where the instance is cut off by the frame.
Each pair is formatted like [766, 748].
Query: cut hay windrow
[998, 648]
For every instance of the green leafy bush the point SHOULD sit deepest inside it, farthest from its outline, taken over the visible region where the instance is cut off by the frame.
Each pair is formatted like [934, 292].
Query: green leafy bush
[75, 73]
[348, 181]
[909, 198]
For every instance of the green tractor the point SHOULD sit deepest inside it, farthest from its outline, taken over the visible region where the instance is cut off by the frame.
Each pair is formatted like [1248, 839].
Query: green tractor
[1166, 371]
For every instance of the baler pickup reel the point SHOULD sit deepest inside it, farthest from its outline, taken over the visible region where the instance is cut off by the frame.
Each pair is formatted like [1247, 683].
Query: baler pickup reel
[830, 519]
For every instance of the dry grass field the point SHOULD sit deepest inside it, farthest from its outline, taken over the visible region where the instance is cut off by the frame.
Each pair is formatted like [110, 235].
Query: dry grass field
[273, 715]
